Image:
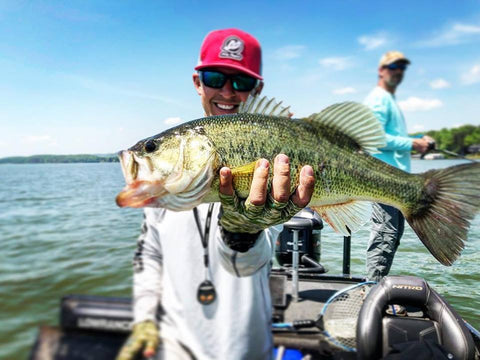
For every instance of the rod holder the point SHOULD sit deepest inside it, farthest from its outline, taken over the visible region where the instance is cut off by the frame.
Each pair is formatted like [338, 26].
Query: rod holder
[295, 266]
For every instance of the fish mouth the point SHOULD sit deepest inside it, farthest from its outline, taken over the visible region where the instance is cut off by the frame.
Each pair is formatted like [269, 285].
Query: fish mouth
[140, 194]
[129, 165]
[137, 193]
[173, 186]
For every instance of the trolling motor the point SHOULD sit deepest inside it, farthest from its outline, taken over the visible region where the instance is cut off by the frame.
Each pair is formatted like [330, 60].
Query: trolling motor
[307, 225]
[298, 246]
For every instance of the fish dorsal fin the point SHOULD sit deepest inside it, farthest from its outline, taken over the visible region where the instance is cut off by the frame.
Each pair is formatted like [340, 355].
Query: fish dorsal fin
[264, 106]
[352, 214]
[356, 121]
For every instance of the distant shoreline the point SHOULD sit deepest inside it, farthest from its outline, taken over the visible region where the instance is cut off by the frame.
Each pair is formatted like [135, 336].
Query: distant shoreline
[59, 159]
[101, 158]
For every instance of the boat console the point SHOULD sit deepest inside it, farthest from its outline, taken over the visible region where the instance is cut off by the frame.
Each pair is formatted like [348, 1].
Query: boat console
[95, 327]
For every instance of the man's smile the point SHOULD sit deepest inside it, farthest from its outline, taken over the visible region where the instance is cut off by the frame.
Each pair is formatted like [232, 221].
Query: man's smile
[225, 106]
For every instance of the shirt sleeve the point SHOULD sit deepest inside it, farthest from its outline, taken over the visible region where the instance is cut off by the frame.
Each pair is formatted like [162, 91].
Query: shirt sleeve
[148, 266]
[401, 143]
[249, 262]
[394, 142]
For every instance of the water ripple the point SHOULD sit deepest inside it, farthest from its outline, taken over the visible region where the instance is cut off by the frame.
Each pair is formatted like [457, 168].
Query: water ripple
[61, 233]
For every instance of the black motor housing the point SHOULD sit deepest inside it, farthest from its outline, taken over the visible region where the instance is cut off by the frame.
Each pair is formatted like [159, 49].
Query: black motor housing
[309, 225]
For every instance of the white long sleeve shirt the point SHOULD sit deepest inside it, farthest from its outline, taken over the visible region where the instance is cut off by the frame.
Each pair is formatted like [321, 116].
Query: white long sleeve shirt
[169, 268]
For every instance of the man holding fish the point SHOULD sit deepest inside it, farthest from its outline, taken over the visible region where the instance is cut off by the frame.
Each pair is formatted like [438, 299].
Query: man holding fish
[209, 268]
[216, 159]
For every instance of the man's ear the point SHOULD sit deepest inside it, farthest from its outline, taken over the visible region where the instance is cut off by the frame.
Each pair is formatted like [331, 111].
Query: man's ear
[258, 89]
[380, 72]
[197, 83]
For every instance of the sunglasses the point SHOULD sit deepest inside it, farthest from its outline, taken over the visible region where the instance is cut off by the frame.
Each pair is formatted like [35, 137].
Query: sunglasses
[395, 66]
[216, 80]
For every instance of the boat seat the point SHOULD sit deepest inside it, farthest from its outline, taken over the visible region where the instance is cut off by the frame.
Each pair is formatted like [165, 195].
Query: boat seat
[378, 332]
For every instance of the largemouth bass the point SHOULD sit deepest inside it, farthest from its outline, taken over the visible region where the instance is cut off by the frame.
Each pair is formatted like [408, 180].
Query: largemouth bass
[179, 169]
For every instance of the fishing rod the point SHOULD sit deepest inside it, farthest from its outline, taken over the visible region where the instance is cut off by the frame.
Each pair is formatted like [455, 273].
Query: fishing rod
[447, 152]
[432, 145]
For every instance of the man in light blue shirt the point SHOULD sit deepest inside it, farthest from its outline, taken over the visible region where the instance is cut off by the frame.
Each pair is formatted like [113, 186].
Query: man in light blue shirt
[388, 222]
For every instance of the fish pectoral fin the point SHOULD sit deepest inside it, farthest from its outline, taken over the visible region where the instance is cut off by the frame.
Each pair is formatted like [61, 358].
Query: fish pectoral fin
[243, 170]
[345, 216]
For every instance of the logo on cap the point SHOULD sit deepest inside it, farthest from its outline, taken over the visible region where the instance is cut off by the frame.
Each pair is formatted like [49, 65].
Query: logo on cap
[232, 48]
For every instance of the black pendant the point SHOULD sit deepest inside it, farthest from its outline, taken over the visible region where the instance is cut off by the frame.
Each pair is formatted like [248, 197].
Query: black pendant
[206, 293]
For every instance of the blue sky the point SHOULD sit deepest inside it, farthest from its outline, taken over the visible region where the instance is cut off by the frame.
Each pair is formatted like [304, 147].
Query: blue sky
[96, 76]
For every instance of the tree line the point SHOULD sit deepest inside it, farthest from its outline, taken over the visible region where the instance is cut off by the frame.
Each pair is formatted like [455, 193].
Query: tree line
[42, 159]
[461, 140]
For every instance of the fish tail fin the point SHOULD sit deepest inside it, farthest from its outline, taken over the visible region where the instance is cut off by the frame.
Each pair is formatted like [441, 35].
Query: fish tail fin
[451, 198]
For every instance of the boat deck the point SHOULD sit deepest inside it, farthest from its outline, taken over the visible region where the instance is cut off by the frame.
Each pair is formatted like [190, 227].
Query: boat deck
[101, 338]
[314, 290]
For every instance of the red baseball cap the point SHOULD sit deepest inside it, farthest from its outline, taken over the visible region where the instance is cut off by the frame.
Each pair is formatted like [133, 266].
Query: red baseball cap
[231, 48]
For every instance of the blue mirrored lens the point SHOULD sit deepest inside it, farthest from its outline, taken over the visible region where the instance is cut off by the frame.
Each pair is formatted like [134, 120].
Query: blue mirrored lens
[213, 79]
[217, 80]
[243, 82]
[395, 66]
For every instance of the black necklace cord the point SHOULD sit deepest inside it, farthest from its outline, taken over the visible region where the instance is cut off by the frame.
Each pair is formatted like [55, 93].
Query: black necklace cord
[206, 293]
[206, 232]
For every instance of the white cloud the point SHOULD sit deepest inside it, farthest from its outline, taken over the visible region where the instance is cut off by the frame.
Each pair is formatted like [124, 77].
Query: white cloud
[310, 79]
[172, 121]
[472, 76]
[344, 91]
[439, 84]
[336, 63]
[95, 85]
[289, 52]
[371, 42]
[453, 34]
[35, 139]
[418, 104]
[467, 29]
[418, 127]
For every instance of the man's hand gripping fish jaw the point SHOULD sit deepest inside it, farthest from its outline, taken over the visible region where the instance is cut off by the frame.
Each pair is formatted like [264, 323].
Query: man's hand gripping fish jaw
[174, 172]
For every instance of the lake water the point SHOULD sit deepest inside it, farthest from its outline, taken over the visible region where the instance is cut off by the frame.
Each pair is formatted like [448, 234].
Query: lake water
[61, 233]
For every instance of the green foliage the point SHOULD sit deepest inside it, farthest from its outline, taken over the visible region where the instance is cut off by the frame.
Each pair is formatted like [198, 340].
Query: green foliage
[456, 139]
[42, 159]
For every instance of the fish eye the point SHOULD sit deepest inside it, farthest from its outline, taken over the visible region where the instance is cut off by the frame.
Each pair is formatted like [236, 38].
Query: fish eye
[150, 146]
